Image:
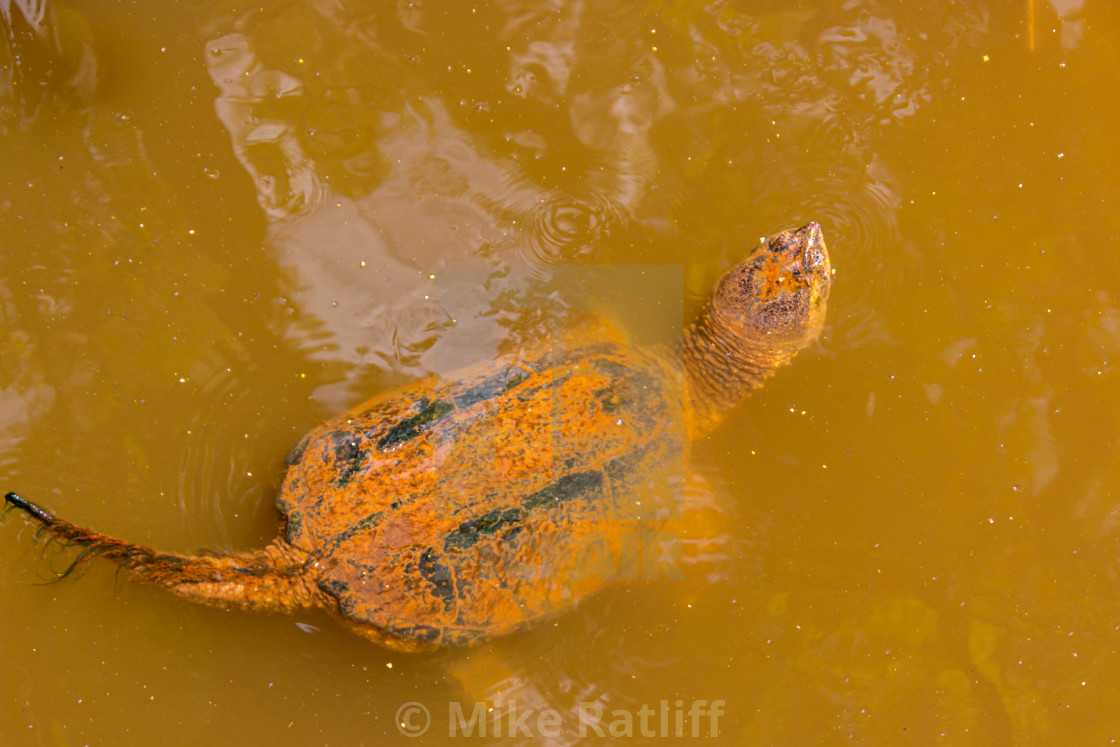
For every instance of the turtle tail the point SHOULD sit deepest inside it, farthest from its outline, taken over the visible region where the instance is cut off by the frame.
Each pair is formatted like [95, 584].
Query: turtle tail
[274, 578]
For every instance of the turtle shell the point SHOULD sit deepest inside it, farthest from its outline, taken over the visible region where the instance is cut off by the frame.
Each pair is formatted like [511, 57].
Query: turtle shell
[468, 506]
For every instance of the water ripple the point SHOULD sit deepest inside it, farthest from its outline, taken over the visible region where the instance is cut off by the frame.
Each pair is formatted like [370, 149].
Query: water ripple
[563, 227]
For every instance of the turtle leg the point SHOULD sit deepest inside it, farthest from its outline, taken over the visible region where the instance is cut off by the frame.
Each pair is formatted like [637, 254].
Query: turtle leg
[708, 549]
[274, 578]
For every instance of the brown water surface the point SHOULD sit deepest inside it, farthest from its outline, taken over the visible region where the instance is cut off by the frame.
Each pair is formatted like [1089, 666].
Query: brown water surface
[222, 223]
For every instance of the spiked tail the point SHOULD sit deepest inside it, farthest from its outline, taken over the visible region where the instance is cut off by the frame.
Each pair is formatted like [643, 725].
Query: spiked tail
[274, 578]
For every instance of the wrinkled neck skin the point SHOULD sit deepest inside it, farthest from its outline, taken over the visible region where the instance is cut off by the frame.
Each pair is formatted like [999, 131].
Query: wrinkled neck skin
[721, 369]
[763, 311]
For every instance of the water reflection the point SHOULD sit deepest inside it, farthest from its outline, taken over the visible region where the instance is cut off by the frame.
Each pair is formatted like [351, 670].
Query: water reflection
[1070, 28]
[25, 394]
[47, 62]
[366, 205]
[376, 156]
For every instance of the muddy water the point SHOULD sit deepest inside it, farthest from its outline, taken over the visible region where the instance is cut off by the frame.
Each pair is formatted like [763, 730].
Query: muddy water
[223, 223]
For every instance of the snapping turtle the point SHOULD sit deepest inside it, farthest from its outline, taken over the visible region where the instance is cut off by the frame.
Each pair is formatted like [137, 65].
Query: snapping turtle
[460, 508]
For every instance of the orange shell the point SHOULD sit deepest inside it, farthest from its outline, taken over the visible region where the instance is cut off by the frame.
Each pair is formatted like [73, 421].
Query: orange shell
[455, 509]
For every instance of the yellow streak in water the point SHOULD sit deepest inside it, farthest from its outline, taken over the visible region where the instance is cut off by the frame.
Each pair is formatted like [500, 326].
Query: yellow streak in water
[1030, 24]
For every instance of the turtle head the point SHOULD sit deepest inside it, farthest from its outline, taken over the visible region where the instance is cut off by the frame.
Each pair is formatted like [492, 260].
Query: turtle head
[774, 300]
[763, 312]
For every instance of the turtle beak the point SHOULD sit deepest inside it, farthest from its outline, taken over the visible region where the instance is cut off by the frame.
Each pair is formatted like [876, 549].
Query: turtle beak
[805, 243]
[807, 258]
[815, 252]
